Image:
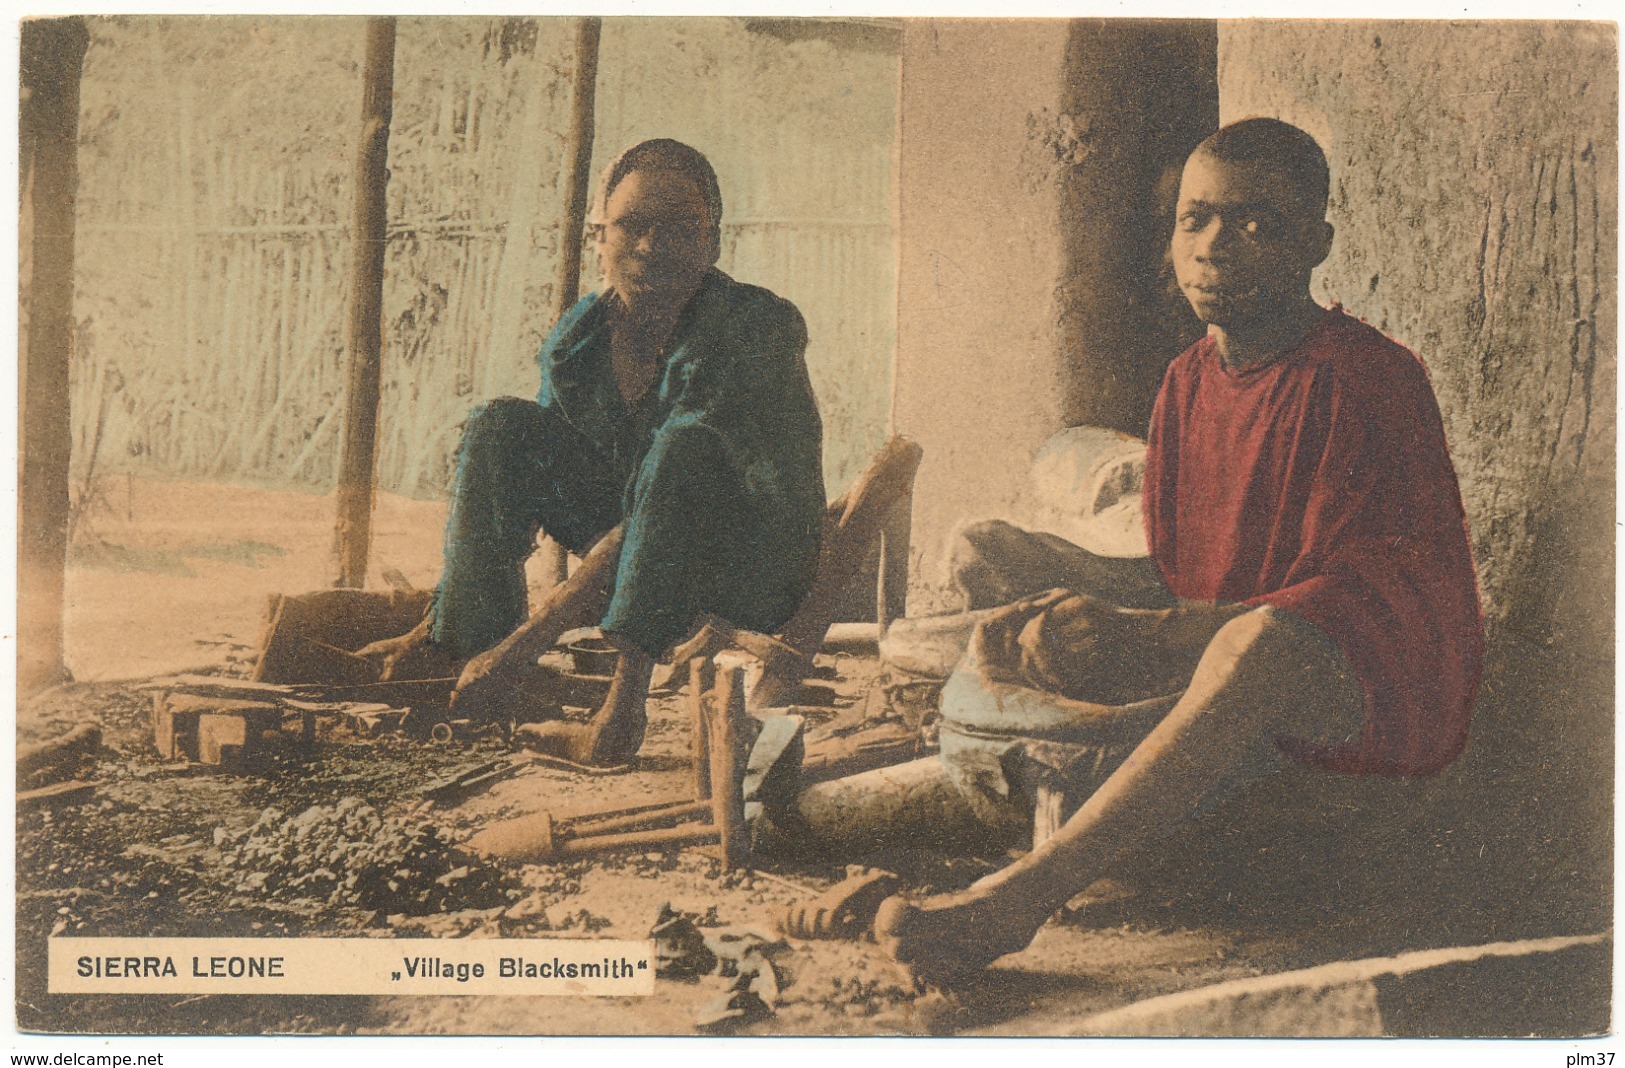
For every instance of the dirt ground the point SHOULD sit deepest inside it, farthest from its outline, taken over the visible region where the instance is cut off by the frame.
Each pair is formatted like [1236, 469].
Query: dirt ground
[174, 579]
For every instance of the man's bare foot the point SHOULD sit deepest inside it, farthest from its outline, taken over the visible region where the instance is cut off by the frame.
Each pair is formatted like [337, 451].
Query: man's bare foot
[487, 684]
[946, 937]
[594, 743]
[615, 733]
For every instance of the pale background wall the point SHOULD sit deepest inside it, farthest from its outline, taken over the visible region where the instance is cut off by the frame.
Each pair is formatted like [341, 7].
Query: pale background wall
[980, 376]
[1032, 158]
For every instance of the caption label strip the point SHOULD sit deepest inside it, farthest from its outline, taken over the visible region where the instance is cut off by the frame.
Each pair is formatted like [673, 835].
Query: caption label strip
[405, 966]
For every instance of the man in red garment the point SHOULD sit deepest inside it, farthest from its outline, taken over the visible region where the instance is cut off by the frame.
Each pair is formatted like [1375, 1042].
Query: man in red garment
[1301, 508]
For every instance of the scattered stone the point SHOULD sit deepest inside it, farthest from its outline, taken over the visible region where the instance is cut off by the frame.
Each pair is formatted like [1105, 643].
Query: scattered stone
[346, 854]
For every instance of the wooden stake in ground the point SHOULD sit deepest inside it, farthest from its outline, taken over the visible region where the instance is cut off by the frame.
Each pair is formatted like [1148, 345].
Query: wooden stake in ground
[727, 709]
[702, 677]
[577, 188]
[53, 52]
[365, 335]
[578, 151]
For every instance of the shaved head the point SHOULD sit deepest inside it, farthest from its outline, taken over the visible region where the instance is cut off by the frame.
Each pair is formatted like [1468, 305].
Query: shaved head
[1280, 147]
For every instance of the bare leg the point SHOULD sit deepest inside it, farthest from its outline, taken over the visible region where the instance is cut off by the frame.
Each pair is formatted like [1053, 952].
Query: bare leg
[1264, 674]
[615, 733]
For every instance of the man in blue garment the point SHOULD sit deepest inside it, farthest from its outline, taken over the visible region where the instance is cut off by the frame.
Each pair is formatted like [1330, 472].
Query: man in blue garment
[676, 403]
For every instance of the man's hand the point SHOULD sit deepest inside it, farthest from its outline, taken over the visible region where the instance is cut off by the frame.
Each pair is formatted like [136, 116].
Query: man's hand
[996, 643]
[1088, 649]
[388, 654]
[485, 684]
[1064, 642]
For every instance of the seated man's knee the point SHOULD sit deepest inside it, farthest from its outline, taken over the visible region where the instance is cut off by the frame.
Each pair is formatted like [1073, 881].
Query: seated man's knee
[1266, 631]
[679, 438]
[1302, 660]
[498, 420]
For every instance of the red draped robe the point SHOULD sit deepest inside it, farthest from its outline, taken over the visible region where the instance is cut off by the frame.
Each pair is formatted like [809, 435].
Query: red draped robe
[1320, 484]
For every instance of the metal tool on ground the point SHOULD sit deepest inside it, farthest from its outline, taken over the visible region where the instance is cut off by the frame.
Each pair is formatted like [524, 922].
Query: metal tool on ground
[469, 780]
[58, 793]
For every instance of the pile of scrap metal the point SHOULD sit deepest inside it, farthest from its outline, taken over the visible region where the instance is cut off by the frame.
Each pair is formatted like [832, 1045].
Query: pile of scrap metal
[739, 956]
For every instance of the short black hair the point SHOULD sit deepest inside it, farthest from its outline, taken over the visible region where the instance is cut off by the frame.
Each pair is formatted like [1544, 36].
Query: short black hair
[665, 154]
[1284, 147]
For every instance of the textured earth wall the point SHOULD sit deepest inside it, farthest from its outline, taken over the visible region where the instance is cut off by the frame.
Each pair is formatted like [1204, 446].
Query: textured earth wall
[1474, 184]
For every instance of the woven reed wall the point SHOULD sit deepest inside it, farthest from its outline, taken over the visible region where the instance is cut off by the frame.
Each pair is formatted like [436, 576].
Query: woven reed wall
[215, 180]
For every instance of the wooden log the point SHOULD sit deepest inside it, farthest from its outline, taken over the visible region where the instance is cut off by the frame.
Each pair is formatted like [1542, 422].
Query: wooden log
[852, 526]
[52, 56]
[365, 334]
[908, 806]
[57, 753]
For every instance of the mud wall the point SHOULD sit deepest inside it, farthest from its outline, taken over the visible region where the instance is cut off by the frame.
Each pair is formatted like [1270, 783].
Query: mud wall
[980, 378]
[1474, 171]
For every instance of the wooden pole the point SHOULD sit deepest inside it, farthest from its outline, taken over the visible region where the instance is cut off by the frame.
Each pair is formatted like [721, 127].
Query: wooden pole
[365, 336]
[578, 150]
[52, 57]
[702, 679]
[577, 188]
[727, 711]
